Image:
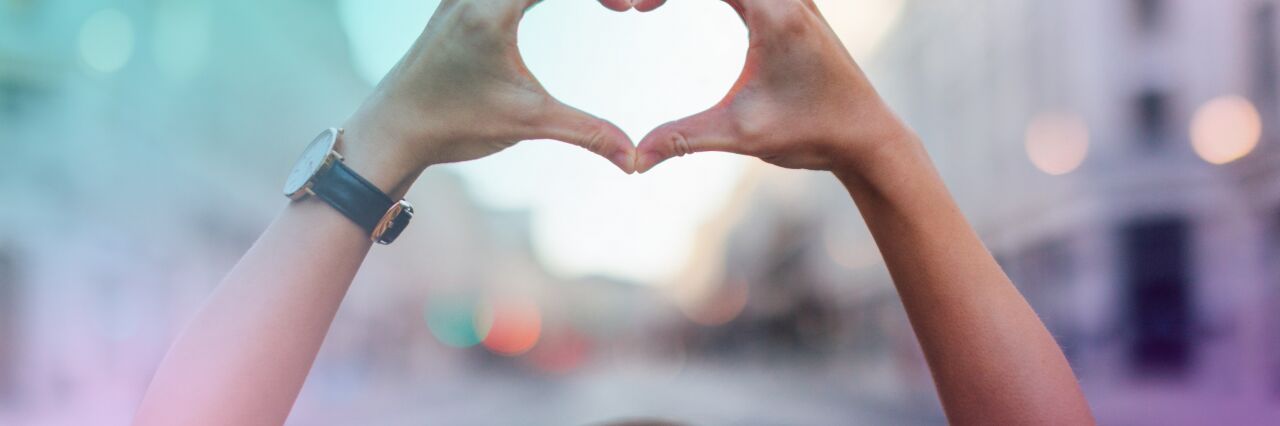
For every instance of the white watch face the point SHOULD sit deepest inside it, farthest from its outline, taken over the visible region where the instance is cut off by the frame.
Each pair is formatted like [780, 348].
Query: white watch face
[311, 162]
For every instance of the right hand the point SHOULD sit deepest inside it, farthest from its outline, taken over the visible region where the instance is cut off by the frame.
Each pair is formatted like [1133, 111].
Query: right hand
[801, 101]
[462, 92]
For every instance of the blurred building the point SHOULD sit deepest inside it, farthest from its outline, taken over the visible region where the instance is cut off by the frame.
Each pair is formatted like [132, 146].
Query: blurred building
[1148, 254]
[1109, 153]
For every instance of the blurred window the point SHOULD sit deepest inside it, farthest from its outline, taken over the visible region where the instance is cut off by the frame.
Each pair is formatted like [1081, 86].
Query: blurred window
[1048, 264]
[1275, 294]
[1148, 14]
[16, 96]
[1264, 50]
[1151, 111]
[1158, 297]
[8, 320]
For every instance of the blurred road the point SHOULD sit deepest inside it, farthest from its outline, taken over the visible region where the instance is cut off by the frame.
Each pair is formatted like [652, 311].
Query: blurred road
[698, 395]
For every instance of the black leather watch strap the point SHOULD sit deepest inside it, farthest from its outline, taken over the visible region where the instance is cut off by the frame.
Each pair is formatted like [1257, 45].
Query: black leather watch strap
[352, 195]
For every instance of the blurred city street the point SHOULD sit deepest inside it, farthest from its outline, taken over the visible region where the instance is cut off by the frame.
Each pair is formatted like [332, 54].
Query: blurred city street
[1120, 159]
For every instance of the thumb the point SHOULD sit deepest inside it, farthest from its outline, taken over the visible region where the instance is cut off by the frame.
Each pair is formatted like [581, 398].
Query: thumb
[618, 5]
[571, 125]
[710, 130]
[650, 5]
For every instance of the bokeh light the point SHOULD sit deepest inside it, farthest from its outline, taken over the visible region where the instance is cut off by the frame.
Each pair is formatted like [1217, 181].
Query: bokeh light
[524, 271]
[1226, 129]
[107, 40]
[562, 352]
[1057, 143]
[721, 306]
[452, 321]
[510, 327]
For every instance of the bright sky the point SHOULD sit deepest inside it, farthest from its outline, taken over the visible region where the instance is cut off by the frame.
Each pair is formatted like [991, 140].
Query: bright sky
[637, 70]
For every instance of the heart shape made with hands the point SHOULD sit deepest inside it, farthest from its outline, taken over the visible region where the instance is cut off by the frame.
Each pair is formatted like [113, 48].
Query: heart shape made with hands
[766, 83]
[641, 71]
[638, 71]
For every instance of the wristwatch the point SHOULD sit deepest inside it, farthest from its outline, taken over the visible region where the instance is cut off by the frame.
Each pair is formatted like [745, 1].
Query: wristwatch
[321, 172]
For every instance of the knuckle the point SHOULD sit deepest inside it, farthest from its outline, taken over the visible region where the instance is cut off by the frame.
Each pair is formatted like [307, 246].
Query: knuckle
[528, 111]
[596, 140]
[749, 130]
[678, 144]
[790, 16]
[471, 18]
[751, 126]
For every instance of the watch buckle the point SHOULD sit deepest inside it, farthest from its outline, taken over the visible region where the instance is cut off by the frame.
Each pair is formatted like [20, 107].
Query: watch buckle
[389, 219]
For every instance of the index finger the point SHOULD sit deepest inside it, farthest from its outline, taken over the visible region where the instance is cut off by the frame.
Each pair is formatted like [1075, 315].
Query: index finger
[649, 5]
[618, 5]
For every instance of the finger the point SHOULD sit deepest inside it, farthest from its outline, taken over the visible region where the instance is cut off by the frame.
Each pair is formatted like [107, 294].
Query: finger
[711, 130]
[647, 5]
[568, 124]
[650, 5]
[618, 5]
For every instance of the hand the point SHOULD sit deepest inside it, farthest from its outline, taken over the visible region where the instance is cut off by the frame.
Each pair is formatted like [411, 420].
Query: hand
[801, 101]
[462, 92]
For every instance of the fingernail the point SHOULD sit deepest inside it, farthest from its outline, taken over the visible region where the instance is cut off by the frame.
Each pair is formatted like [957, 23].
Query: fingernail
[647, 162]
[624, 161]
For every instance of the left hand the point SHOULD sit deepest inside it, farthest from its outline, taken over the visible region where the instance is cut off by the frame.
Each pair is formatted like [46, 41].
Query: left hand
[462, 92]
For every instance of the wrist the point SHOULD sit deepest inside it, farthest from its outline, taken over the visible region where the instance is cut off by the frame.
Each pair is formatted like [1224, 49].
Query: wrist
[897, 156]
[375, 156]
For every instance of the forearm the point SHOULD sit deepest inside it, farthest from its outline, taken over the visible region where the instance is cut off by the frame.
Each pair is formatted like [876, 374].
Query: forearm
[992, 359]
[244, 357]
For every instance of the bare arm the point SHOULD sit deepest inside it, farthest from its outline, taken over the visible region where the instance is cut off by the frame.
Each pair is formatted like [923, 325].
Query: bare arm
[244, 357]
[460, 94]
[992, 359]
[802, 102]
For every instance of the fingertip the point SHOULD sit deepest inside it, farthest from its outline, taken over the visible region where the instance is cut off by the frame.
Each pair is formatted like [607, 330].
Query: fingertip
[647, 155]
[647, 161]
[617, 5]
[616, 146]
[647, 5]
[624, 155]
[625, 160]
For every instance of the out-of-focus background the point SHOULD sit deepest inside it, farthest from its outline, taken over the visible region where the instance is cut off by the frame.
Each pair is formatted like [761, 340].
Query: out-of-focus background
[1119, 157]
